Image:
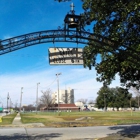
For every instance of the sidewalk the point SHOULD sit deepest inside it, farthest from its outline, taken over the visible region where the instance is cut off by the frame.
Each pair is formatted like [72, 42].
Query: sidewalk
[17, 123]
[17, 120]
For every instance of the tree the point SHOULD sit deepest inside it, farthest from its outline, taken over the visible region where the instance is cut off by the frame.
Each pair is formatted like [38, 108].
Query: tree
[29, 107]
[113, 97]
[119, 21]
[91, 101]
[137, 92]
[16, 106]
[122, 98]
[104, 98]
[46, 98]
[133, 102]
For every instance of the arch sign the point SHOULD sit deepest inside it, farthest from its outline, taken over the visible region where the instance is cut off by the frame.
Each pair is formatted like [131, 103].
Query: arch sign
[66, 56]
[73, 32]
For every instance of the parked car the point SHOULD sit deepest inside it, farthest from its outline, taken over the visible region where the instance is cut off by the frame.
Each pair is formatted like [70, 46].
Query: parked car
[6, 111]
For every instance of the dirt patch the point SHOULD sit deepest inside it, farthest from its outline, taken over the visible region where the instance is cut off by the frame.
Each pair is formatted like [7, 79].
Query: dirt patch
[69, 124]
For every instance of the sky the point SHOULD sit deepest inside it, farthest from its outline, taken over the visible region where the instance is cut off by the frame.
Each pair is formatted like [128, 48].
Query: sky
[28, 66]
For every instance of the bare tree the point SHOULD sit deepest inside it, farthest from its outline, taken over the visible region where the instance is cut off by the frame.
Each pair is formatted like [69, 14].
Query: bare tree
[29, 107]
[84, 101]
[91, 101]
[46, 98]
[16, 106]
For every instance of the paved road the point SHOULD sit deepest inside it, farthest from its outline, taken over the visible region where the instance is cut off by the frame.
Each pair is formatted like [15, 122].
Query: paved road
[82, 133]
[3, 114]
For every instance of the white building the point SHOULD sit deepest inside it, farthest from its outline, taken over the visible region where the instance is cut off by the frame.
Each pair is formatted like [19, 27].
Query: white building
[65, 96]
[79, 104]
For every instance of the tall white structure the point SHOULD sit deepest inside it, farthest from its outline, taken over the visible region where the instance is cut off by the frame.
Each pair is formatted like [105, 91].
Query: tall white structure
[65, 96]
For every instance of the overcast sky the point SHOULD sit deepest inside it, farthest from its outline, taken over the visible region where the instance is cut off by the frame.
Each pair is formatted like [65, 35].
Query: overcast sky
[26, 67]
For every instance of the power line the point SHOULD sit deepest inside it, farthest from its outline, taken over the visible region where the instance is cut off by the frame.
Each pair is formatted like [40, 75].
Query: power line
[49, 84]
[86, 89]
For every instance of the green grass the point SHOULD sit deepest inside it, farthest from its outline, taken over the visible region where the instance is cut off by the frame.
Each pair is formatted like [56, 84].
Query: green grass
[33, 120]
[6, 120]
[62, 119]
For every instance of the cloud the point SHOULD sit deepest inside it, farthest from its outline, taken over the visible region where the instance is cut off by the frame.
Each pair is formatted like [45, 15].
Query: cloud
[83, 81]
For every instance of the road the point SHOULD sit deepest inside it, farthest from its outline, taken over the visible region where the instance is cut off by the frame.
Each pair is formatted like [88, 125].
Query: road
[73, 133]
[3, 114]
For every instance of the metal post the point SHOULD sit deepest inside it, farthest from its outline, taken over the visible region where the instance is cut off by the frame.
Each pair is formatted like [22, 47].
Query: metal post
[37, 97]
[21, 98]
[138, 100]
[10, 105]
[7, 100]
[131, 107]
[104, 102]
[58, 87]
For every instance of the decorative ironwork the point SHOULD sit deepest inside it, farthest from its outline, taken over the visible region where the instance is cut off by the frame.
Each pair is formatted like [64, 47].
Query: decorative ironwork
[71, 32]
[73, 36]
[73, 21]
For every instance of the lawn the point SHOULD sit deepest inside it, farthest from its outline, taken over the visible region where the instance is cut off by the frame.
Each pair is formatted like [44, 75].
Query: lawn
[73, 119]
[6, 120]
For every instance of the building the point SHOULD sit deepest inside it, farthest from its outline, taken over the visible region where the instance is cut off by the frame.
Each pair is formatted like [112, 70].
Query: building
[65, 96]
[82, 106]
[61, 107]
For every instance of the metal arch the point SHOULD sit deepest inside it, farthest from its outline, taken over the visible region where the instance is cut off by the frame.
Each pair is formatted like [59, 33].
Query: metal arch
[19, 42]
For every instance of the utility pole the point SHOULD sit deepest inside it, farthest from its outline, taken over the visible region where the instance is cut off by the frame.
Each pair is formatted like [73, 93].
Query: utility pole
[104, 102]
[57, 75]
[139, 100]
[21, 98]
[10, 104]
[7, 100]
[37, 97]
[131, 106]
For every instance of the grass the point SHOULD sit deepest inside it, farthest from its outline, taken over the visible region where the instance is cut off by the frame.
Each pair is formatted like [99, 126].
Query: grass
[68, 119]
[39, 118]
[6, 120]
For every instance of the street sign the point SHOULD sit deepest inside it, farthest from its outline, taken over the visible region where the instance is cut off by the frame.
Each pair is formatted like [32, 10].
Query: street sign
[66, 56]
[1, 109]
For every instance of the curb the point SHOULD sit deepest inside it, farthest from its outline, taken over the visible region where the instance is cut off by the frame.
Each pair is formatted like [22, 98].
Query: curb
[34, 125]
